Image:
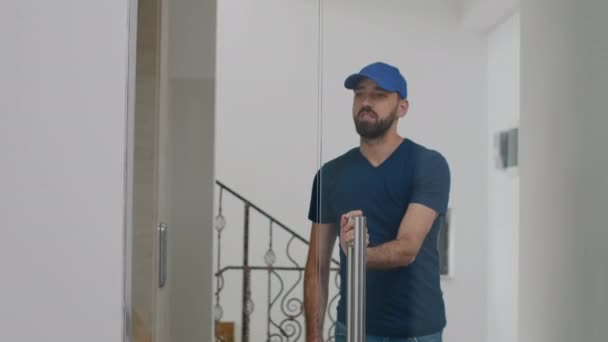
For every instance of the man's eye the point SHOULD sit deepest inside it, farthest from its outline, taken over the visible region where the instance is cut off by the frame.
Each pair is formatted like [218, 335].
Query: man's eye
[381, 95]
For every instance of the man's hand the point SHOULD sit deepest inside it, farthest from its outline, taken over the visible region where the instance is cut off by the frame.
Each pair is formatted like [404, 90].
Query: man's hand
[347, 232]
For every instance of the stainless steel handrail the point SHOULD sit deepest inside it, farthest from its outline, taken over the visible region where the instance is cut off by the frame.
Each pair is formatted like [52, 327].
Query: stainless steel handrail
[356, 266]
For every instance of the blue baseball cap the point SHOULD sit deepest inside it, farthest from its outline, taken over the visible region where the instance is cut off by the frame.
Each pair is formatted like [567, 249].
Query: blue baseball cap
[386, 76]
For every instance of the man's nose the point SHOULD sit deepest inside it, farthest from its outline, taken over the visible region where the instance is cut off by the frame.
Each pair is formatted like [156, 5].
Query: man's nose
[366, 101]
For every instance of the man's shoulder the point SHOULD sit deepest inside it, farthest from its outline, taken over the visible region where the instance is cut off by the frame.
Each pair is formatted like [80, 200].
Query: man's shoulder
[428, 158]
[340, 161]
[425, 153]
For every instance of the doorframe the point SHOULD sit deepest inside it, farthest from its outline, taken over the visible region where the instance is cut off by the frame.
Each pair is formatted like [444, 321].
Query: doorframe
[128, 224]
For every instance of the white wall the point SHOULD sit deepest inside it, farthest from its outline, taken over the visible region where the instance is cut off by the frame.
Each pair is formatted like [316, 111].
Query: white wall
[564, 189]
[267, 116]
[503, 185]
[62, 141]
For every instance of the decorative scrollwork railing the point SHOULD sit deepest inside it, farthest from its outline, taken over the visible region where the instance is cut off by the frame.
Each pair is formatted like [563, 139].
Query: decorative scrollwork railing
[284, 309]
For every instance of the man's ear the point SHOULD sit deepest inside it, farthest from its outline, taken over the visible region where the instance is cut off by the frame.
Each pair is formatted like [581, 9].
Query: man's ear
[404, 105]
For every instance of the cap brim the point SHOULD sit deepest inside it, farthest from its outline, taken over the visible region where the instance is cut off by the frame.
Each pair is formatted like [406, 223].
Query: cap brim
[353, 80]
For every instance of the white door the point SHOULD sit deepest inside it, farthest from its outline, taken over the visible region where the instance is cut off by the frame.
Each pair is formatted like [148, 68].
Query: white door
[171, 271]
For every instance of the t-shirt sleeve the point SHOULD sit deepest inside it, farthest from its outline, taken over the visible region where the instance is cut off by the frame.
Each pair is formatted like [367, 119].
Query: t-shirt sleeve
[320, 208]
[432, 182]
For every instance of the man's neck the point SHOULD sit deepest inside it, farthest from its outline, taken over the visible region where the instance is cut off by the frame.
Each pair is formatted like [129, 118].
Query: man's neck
[378, 150]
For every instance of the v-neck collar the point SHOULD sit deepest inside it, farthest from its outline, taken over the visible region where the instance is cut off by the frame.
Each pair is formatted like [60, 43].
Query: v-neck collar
[390, 156]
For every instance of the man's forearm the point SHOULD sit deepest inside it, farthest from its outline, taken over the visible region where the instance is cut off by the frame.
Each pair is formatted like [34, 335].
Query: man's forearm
[315, 301]
[396, 253]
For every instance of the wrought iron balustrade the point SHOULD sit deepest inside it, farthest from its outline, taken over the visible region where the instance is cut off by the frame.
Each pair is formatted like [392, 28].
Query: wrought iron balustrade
[285, 323]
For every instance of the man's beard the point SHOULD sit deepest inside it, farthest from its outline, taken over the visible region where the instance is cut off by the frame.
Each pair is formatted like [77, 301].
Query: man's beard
[374, 130]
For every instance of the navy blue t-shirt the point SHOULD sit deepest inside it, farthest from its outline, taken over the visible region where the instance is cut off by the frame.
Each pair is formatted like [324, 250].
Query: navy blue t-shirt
[404, 301]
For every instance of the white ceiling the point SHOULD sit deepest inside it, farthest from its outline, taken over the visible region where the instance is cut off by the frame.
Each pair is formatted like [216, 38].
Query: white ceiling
[483, 15]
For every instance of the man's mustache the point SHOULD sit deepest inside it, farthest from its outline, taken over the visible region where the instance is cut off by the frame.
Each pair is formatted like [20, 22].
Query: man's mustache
[367, 110]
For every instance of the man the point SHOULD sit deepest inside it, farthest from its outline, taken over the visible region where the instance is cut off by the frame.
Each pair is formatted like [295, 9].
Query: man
[402, 188]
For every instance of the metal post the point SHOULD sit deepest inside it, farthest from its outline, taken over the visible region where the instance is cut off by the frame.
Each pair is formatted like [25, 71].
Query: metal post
[246, 279]
[356, 266]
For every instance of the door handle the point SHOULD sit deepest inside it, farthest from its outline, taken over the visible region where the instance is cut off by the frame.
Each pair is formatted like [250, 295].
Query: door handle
[162, 255]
